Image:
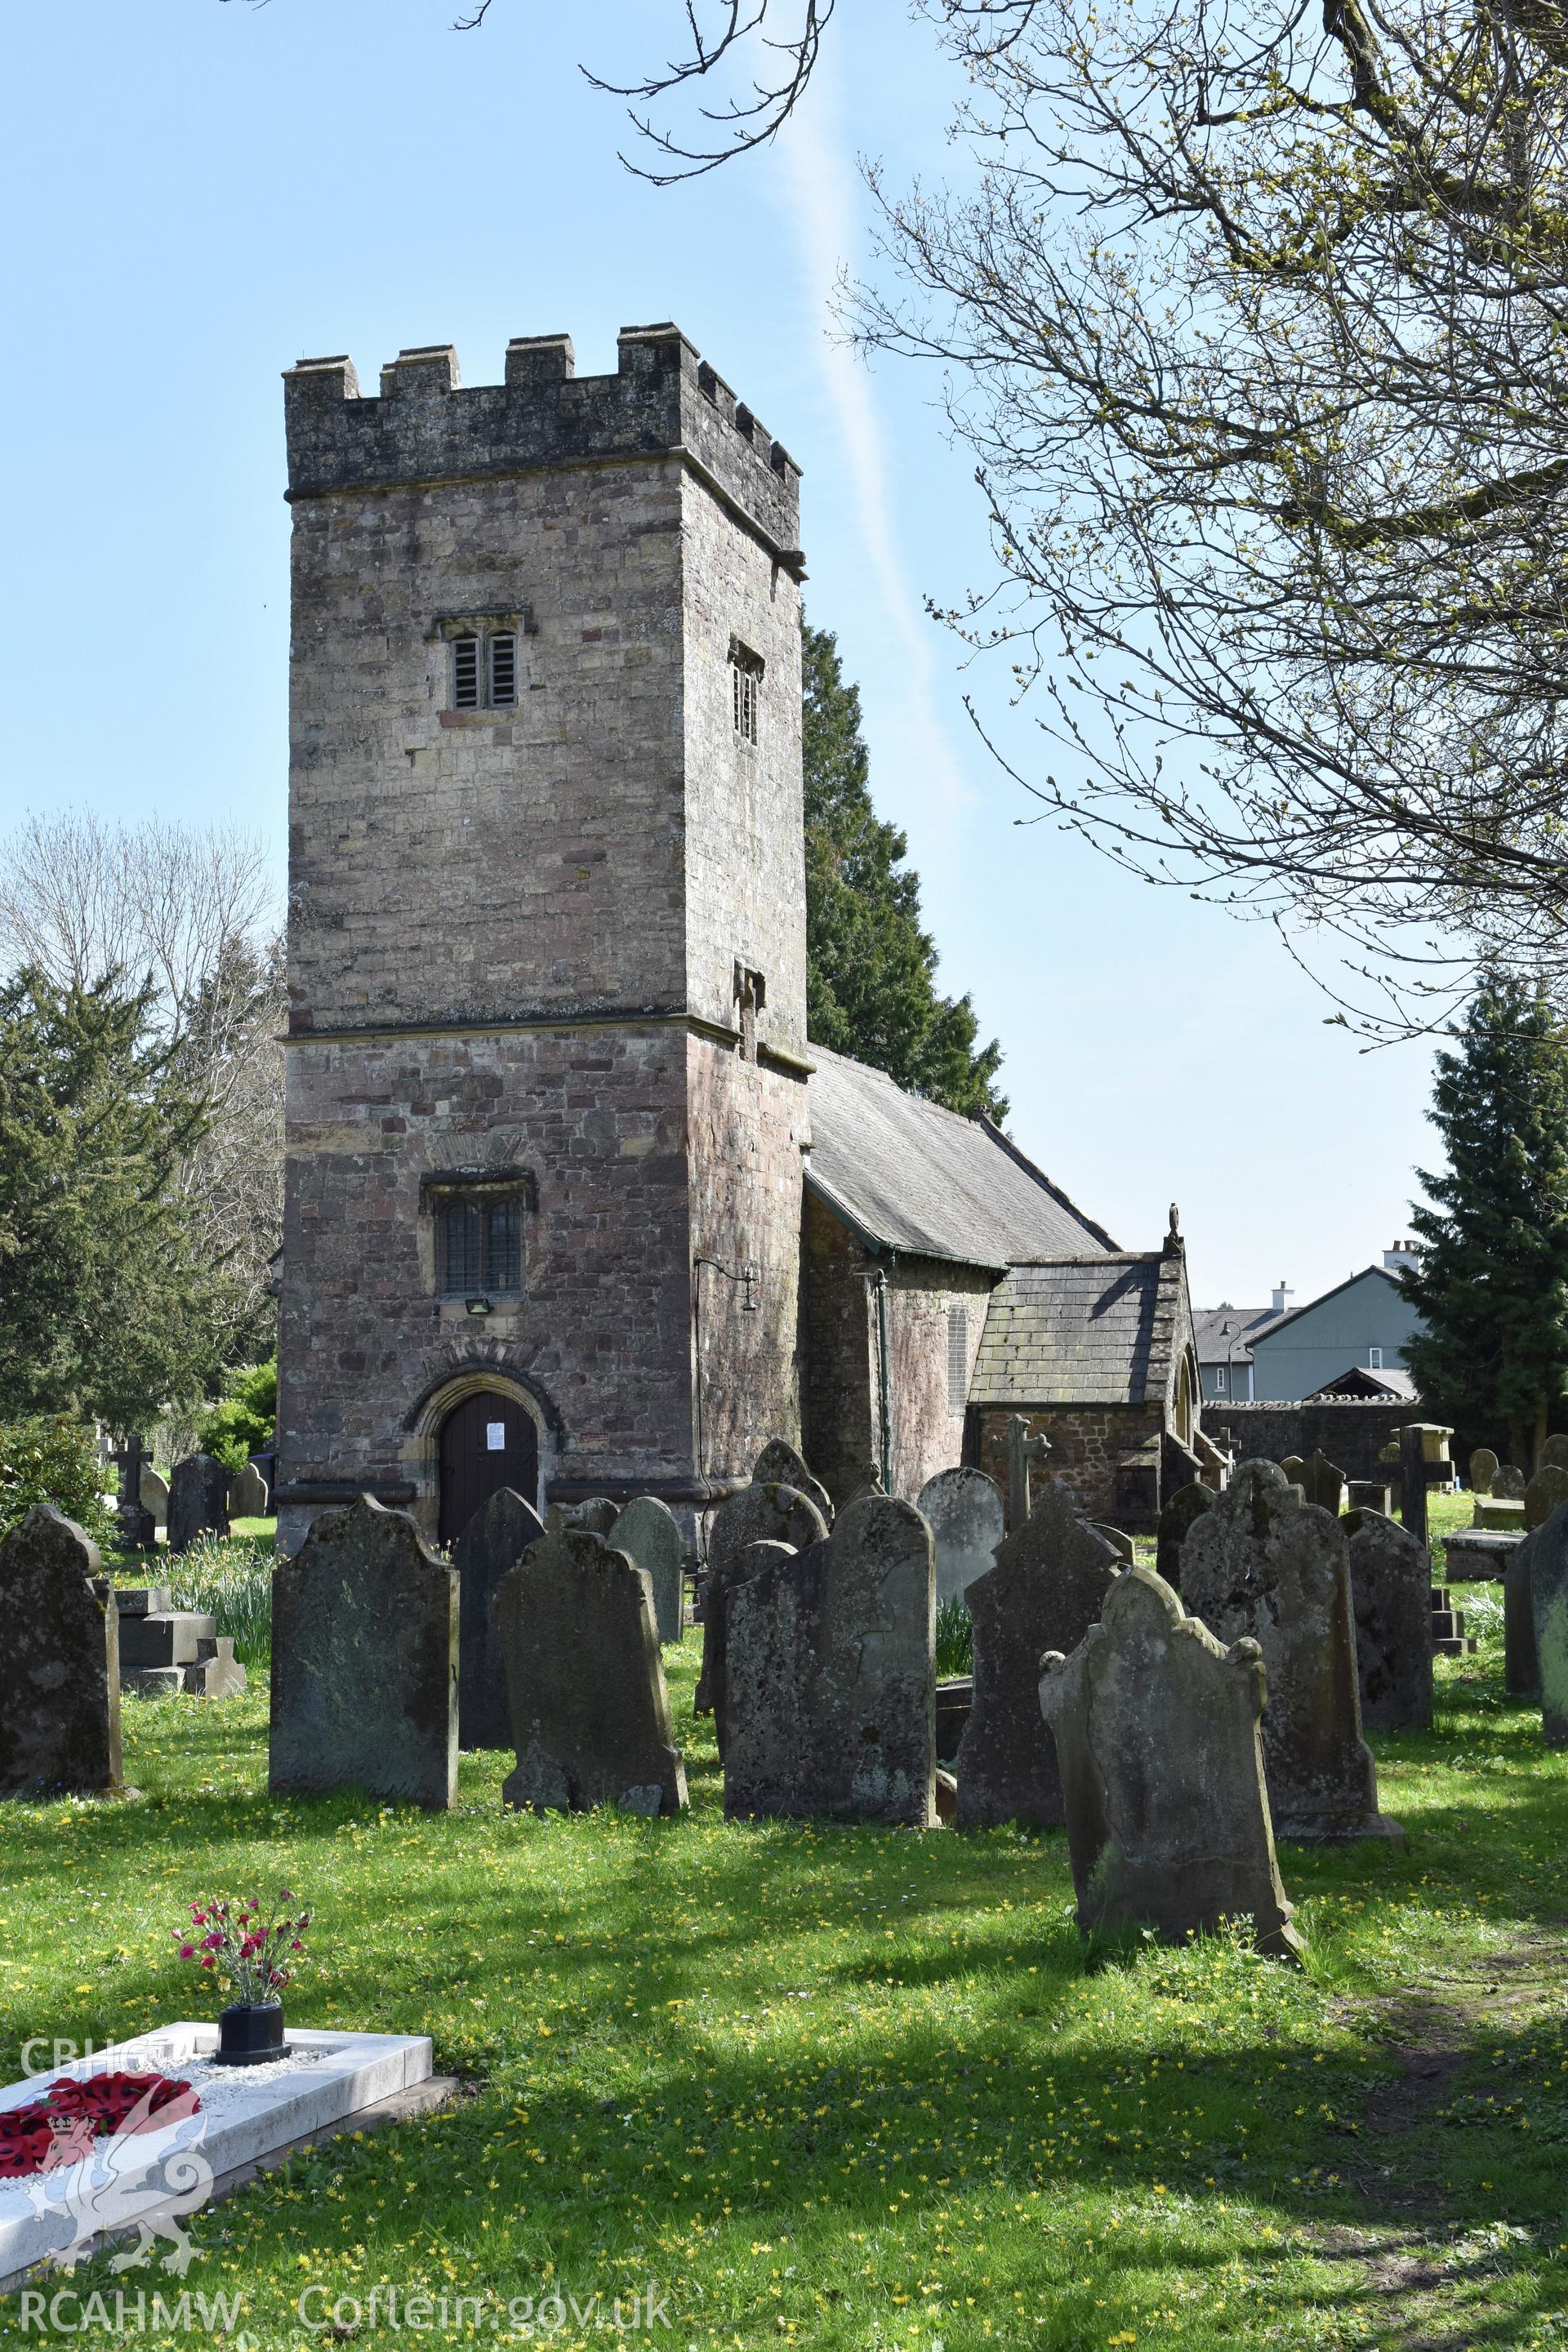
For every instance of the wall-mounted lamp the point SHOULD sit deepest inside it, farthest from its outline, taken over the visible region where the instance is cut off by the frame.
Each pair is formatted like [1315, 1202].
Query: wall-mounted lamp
[478, 1305]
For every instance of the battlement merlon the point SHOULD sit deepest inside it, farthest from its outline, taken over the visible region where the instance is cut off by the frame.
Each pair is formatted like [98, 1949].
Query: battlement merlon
[425, 428]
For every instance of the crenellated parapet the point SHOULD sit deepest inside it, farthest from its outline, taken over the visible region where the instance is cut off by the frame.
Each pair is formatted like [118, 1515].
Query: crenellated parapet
[425, 427]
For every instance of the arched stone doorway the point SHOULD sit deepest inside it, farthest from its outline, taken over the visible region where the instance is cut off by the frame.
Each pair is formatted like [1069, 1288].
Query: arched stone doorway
[487, 1442]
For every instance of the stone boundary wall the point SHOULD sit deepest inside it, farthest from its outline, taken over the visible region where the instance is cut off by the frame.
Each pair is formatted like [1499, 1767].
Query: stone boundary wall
[1352, 1431]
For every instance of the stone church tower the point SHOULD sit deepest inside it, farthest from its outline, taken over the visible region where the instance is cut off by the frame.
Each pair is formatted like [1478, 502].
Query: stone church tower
[546, 1097]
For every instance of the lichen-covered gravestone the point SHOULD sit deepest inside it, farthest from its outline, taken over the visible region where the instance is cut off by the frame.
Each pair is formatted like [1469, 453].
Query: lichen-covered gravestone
[649, 1532]
[1508, 1484]
[1548, 1604]
[1484, 1467]
[1156, 1725]
[494, 1540]
[1294, 1469]
[765, 1514]
[1546, 1492]
[1554, 1454]
[59, 1663]
[364, 1662]
[1521, 1671]
[1391, 1587]
[198, 1500]
[155, 1492]
[590, 1712]
[782, 1465]
[1187, 1504]
[1045, 1591]
[965, 1513]
[1323, 1483]
[248, 1495]
[595, 1517]
[1265, 1565]
[832, 1679]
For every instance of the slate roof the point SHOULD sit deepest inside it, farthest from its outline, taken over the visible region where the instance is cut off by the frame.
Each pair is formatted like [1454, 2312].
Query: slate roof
[1359, 1380]
[1222, 1333]
[1278, 1322]
[1081, 1331]
[904, 1174]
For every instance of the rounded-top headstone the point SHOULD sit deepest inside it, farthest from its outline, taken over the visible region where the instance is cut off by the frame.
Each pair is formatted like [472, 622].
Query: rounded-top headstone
[248, 1495]
[966, 1516]
[597, 1516]
[1508, 1484]
[1545, 1493]
[59, 1663]
[780, 1464]
[1554, 1454]
[500, 1531]
[1484, 1467]
[771, 1514]
[649, 1532]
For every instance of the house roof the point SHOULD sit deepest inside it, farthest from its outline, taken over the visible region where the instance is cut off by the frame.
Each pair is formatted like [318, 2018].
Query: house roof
[1221, 1334]
[1081, 1330]
[1360, 1381]
[1279, 1322]
[905, 1174]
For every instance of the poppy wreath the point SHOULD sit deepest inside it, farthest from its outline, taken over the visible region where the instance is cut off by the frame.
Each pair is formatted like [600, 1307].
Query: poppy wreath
[62, 2124]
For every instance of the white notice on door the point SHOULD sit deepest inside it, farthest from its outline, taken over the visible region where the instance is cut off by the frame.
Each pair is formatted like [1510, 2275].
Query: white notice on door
[495, 1437]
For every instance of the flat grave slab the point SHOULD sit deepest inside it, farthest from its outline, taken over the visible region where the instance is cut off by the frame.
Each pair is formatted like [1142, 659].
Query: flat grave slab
[1478, 1553]
[246, 2116]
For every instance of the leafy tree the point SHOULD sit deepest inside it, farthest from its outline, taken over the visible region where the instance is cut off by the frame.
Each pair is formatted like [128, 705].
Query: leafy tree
[1492, 1286]
[107, 1307]
[871, 969]
[241, 1422]
[55, 1460]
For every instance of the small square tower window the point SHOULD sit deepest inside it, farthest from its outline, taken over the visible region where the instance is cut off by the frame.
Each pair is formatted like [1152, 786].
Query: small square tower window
[957, 1359]
[746, 690]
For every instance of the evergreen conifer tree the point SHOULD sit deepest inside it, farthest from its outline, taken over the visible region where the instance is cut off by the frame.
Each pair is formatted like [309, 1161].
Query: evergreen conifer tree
[870, 968]
[1492, 1286]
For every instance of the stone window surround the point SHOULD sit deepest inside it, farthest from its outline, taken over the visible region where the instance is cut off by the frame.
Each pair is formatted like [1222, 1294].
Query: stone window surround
[422, 1446]
[517, 623]
[437, 1186]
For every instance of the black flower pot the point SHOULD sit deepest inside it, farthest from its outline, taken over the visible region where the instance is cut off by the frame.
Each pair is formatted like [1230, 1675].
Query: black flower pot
[249, 2033]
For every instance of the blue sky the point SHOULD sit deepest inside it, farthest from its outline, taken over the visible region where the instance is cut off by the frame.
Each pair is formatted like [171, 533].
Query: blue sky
[198, 194]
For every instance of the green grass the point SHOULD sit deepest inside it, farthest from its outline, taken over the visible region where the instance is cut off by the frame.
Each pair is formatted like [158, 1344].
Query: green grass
[850, 2088]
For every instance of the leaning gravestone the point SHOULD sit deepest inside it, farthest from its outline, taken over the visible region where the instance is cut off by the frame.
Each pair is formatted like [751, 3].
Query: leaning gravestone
[1546, 1491]
[59, 1664]
[1187, 1504]
[198, 1501]
[832, 1679]
[1121, 1543]
[1554, 1454]
[1548, 1604]
[590, 1712]
[248, 1495]
[1156, 1726]
[1510, 1485]
[155, 1492]
[649, 1532]
[1521, 1668]
[1323, 1483]
[364, 1662]
[1294, 1469]
[964, 1511]
[1045, 1591]
[756, 1515]
[494, 1540]
[1391, 1587]
[779, 1464]
[1265, 1565]
[1484, 1467]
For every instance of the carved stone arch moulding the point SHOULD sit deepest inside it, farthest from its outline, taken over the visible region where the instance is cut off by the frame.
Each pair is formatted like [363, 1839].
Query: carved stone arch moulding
[472, 1374]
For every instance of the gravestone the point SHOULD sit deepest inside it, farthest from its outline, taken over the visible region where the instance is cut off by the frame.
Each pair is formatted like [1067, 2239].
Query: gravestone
[831, 1669]
[780, 1464]
[1021, 1452]
[1323, 1483]
[1187, 1504]
[756, 1515]
[1499, 1514]
[198, 1500]
[590, 1712]
[597, 1516]
[248, 1495]
[1294, 1469]
[1045, 1591]
[965, 1514]
[1510, 1485]
[1391, 1588]
[1156, 1726]
[364, 1662]
[1121, 1543]
[1548, 1604]
[1370, 1494]
[155, 1494]
[494, 1540]
[59, 1663]
[1552, 1453]
[649, 1532]
[1481, 1552]
[1265, 1565]
[1546, 1492]
[138, 1530]
[162, 1648]
[1521, 1667]
[1484, 1467]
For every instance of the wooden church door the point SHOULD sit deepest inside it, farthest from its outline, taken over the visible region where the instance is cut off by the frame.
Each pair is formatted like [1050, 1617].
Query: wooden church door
[487, 1442]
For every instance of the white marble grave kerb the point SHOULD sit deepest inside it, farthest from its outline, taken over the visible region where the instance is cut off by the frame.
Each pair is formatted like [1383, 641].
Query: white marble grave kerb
[158, 2181]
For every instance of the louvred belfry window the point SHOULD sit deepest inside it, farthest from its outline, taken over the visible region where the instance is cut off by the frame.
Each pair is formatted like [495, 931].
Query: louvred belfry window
[503, 672]
[465, 673]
